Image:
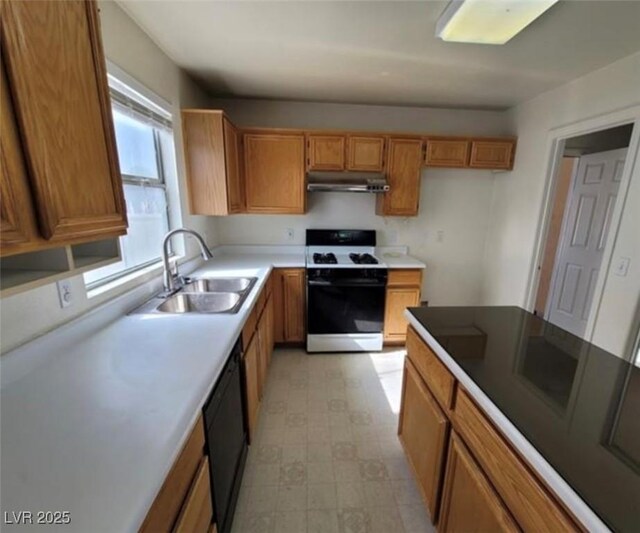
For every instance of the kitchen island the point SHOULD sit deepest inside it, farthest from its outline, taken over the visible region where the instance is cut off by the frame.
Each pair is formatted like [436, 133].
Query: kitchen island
[547, 424]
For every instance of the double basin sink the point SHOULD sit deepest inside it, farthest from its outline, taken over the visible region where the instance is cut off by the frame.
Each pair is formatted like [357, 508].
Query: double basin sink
[202, 296]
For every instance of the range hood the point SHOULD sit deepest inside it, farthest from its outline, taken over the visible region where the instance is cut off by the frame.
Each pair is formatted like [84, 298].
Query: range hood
[346, 182]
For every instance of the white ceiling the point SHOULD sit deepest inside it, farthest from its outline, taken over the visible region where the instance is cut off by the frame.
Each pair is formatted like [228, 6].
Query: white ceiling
[374, 52]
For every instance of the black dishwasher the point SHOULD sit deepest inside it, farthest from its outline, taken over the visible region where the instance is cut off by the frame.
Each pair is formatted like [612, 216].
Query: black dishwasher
[226, 440]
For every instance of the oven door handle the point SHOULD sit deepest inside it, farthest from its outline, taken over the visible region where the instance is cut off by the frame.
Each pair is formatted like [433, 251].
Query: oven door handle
[314, 283]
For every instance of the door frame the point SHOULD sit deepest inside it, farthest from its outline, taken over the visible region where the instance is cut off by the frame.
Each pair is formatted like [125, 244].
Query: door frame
[555, 142]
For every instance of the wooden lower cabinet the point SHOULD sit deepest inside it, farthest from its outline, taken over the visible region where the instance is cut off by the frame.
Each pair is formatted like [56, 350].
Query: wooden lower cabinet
[289, 305]
[395, 324]
[469, 502]
[164, 512]
[257, 339]
[526, 497]
[403, 290]
[487, 485]
[197, 511]
[423, 430]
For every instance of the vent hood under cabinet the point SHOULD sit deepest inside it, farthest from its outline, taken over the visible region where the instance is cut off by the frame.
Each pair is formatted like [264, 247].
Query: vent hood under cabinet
[346, 182]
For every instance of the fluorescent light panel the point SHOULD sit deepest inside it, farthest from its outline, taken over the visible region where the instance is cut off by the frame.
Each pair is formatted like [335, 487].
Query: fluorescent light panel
[488, 21]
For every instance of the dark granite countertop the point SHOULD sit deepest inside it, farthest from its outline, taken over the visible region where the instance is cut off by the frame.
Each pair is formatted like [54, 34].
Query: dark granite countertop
[577, 404]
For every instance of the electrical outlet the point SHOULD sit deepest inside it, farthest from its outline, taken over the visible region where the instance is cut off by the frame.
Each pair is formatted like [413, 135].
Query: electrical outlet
[64, 293]
[621, 267]
[290, 233]
[440, 235]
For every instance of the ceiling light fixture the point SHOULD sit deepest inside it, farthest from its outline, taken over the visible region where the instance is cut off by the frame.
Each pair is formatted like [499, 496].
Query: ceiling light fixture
[488, 21]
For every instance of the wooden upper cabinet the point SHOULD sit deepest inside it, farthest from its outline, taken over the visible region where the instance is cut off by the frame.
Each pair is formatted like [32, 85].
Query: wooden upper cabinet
[18, 227]
[469, 502]
[365, 153]
[423, 432]
[404, 168]
[447, 152]
[326, 152]
[57, 80]
[212, 154]
[496, 154]
[274, 173]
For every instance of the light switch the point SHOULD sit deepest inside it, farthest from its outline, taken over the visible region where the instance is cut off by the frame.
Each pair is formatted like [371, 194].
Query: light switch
[621, 267]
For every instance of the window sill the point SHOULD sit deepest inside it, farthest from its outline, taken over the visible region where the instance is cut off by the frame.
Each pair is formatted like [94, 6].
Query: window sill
[128, 281]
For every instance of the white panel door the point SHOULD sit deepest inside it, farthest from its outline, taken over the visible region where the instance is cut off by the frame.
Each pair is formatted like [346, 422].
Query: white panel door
[584, 234]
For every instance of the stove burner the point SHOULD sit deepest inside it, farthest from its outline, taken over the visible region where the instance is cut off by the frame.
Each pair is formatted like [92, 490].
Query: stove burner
[363, 259]
[325, 259]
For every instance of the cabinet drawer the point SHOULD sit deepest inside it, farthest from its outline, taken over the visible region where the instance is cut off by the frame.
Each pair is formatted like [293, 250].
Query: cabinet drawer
[168, 502]
[197, 511]
[435, 374]
[527, 499]
[409, 277]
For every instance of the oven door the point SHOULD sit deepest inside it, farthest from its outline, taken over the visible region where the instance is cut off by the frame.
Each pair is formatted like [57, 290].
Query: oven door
[345, 306]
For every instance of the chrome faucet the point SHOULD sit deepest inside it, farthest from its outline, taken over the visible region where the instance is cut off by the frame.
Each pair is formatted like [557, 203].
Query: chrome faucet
[169, 278]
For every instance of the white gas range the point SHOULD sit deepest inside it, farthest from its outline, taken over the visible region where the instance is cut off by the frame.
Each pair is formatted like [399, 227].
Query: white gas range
[346, 286]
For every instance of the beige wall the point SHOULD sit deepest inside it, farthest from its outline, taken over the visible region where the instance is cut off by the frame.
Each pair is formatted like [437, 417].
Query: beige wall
[32, 313]
[455, 202]
[518, 198]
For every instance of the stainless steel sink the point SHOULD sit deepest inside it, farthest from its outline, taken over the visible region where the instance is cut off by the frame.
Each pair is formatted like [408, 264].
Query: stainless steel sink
[200, 285]
[202, 296]
[207, 302]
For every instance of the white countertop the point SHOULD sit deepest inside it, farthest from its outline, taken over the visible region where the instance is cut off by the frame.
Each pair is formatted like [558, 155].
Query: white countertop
[93, 415]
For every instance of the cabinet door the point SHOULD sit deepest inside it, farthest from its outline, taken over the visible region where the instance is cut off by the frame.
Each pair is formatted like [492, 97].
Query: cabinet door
[57, 78]
[293, 284]
[18, 227]
[212, 159]
[397, 300]
[365, 154]
[453, 153]
[469, 503]
[235, 189]
[166, 507]
[277, 295]
[423, 431]
[262, 340]
[404, 167]
[326, 152]
[251, 364]
[493, 154]
[197, 511]
[269, 327]
[274, 173]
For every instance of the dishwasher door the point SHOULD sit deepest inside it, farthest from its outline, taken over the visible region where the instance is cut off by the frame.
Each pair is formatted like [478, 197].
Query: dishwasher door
[226, 440]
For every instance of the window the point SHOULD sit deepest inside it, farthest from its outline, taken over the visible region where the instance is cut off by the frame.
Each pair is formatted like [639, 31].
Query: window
[143, 137]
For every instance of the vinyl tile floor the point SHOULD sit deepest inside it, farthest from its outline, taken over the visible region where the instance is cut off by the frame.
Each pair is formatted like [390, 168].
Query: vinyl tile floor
[326, 457]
